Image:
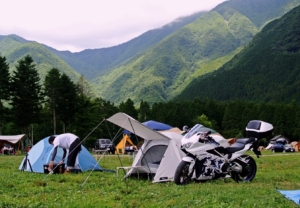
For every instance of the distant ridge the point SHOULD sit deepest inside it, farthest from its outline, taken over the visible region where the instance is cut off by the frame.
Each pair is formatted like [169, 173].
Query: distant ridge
[267, 70]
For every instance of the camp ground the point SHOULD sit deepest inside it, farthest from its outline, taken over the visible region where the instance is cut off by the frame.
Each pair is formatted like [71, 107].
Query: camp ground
[103, 189]
[40, 155]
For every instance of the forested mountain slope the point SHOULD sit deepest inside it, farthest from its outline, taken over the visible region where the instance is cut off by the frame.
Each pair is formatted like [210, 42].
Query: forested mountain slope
[259, 12]
[268, 69]
[160, 63]
[15, 48]
[160, 73]
[95, 62]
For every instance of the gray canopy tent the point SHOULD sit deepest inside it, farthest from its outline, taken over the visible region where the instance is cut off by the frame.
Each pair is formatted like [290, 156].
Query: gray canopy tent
[159, 155]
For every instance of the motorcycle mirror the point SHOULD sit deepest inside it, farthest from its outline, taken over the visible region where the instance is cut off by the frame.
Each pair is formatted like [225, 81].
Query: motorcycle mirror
[185, 128]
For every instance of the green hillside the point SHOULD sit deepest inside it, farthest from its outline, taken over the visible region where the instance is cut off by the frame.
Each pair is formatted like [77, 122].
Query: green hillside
[259, 12]
[158, 65]
[268, 69]
[14, 48]
[159, 73]
[95, 62]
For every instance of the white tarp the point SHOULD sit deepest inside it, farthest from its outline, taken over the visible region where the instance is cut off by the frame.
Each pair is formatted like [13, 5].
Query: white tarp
[132, 125]
[159, 155]
[11, 139]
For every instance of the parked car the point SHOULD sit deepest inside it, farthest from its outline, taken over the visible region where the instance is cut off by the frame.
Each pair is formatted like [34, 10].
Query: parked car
[105, 144]
[281, 145]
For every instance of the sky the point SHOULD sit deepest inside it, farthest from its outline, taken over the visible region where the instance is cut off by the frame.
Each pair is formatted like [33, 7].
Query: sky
[76, 25]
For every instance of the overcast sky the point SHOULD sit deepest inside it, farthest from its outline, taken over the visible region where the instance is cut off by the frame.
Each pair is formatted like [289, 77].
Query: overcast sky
[76, 25]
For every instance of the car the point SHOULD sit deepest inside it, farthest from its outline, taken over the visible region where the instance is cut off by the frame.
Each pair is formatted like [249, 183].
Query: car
[105, 144]
[281, 145]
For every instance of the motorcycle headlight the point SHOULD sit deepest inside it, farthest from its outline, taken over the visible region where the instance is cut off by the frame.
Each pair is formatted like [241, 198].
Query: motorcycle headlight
[186, 145]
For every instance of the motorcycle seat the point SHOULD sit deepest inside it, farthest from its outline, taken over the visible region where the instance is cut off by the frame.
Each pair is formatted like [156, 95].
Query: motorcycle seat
[239, 145]
[245, 140]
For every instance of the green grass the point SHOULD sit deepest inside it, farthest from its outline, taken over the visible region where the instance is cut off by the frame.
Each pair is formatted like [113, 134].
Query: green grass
[104, 189]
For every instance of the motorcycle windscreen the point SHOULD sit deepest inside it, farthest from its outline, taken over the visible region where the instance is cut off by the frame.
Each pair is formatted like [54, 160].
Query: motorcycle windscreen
[153, 157]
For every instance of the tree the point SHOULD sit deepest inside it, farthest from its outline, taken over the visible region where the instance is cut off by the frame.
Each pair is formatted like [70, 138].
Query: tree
[89, 115]
[84, 87]
[52, 91]
[203, 119]
[158, 111]
[144, 111]
[4, 88]
[26, 93]
[68, 101]
[62, 96]
[128, 108]
[215, 111]
[232, 123]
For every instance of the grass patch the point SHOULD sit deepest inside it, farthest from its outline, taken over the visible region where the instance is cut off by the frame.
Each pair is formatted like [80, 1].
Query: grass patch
[104, 189]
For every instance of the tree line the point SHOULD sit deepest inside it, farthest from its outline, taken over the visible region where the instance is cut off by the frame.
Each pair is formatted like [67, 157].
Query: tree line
[58, 105]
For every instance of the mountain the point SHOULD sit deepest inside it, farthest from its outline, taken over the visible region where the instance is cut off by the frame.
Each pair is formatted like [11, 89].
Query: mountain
[161, 72]
[14, 48]
[158, 65]
[267, 69]
[259, 12]
[95, 62]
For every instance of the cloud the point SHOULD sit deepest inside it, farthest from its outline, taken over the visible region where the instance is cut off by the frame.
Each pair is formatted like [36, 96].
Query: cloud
[76, 25]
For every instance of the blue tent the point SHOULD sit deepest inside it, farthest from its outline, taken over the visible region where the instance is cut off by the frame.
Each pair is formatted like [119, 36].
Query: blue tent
[40, 154]
[157, 126]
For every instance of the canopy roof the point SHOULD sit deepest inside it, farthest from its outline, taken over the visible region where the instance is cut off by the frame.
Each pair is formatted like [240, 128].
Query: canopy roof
[126, 122]
[11, 139]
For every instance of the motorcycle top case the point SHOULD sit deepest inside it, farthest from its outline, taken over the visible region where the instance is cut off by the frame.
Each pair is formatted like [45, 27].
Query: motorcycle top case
[259, 129]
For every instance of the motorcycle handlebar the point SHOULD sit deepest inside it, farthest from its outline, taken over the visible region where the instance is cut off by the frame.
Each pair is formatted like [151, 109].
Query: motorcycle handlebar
[205, 137]
[212, 140]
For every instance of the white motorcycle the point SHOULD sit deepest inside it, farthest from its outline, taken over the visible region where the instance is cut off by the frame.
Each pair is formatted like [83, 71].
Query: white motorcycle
[209, 156]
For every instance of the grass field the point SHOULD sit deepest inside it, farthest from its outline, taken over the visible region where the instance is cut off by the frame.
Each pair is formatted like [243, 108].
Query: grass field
[104, 189]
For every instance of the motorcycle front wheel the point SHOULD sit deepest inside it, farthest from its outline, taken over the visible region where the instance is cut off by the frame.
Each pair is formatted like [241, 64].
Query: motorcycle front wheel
[182, 176]
[248, 170]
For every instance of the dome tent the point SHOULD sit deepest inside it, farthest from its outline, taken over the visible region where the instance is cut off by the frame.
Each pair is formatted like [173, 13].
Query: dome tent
[40, 154]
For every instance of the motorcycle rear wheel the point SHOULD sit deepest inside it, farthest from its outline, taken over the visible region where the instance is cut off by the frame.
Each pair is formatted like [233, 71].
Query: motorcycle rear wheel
[248, 172]
[182, 176]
